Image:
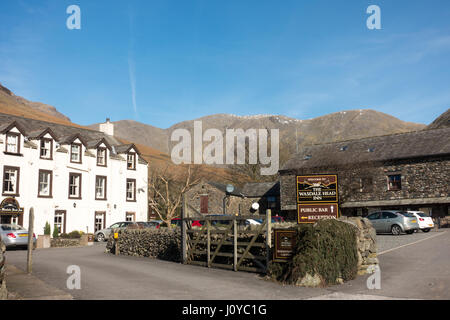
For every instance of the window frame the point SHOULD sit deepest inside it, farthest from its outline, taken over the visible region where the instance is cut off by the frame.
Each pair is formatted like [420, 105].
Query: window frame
[80, 145]
[130, 213]
[389, 182]
[50, 173]
[16, 191]
[63, 214]
[134, 190]
[102, 213]
[17, 135]
[134, 160]
[104, 187]
[76, 174]
[43, 140]
[366, 185]
[99, 149]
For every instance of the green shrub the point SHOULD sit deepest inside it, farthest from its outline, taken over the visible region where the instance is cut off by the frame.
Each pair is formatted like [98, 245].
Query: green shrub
[55, 232]
[47, 229]
[328, 249]
[71, 235]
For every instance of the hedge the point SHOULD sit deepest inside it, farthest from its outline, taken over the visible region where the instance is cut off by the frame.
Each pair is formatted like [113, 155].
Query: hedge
[327, 250]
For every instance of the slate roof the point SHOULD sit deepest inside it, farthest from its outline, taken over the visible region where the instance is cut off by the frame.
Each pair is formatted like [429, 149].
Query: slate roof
[223, 188]
[260, 189]
[254, 189]
[63, 133]
[417, 144]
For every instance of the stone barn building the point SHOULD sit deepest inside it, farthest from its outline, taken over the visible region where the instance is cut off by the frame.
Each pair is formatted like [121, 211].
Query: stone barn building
[408, 171]
[212, 198]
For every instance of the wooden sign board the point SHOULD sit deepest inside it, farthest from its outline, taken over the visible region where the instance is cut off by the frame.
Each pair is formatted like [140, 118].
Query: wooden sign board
[317, 188]
[285, 243]
[10, 206]
[311, 213]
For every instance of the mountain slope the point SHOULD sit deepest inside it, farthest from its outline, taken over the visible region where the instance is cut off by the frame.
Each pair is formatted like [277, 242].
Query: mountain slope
[443, 121]
[12, 104]
[337, 126]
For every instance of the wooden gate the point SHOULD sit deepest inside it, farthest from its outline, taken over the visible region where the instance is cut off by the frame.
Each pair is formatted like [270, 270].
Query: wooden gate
[226, 242]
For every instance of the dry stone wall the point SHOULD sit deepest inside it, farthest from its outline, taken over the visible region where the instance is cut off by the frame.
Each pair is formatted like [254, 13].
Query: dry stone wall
[3, 292]
[366, 242]
[163, 243]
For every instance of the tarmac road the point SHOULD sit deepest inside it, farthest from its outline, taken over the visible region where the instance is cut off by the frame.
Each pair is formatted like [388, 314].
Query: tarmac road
[417, 271]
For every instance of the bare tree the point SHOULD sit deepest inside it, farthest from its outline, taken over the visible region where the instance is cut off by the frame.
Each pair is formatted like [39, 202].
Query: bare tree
[166, 190]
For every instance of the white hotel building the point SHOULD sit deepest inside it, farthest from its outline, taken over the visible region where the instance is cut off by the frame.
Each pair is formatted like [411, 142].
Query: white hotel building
[74, 178]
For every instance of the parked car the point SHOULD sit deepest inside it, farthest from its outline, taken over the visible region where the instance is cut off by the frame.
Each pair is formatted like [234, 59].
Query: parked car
[177, 222]
[394, 222]
[253, 222]
[425, 221]
[15, 236]
[103, 234]
[277, 219]
[154, 224]
[219, 222]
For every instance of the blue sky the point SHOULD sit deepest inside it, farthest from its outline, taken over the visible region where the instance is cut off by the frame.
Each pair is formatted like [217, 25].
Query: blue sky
[161, 62]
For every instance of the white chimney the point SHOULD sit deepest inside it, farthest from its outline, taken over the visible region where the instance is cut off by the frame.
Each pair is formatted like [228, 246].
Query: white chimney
[107, 127]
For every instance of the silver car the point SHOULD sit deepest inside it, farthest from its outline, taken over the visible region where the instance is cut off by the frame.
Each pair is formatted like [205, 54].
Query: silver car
[102, 235]
[15, 236]
[395, 222]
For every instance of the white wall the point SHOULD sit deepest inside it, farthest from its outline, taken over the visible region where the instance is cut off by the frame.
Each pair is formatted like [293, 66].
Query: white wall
[81, 217]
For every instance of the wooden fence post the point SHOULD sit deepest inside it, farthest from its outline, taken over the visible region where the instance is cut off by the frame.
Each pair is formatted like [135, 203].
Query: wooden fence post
[30, 241]
[235, 253]
[116, 241]
[268, 236]
[184, 239]
[208, 243]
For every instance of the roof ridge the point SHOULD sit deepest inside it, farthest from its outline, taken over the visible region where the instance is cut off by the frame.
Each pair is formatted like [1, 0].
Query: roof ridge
[373, 137]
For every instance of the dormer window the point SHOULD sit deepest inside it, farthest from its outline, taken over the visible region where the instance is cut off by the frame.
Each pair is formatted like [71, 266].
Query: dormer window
[131, 161]
[46, 148]
[75, 153]
[12, 143]
[101, 157]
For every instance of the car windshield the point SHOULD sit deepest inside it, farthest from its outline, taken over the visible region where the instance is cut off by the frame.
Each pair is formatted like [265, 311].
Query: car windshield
[115, 225]
[11, 227]
[374, 216]
[407, 214]
[423, 214]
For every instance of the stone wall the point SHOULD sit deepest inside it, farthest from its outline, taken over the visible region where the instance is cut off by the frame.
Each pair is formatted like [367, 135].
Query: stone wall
[162, 243]
[234, 204]
[215, 199]
[3, 292]
[366, 242]
[421, 179]
[365, 239]
[65, 242]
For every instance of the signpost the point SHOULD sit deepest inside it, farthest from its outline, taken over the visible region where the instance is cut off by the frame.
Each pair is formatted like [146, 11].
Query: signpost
[285, 240]
[317, 197]
[317, 189]
[10, 207]
[310, 213]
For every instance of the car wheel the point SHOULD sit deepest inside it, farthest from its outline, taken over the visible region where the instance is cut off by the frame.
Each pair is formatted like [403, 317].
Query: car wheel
[100, 237]
[410, 231]
[396, 230]
[425, 230]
